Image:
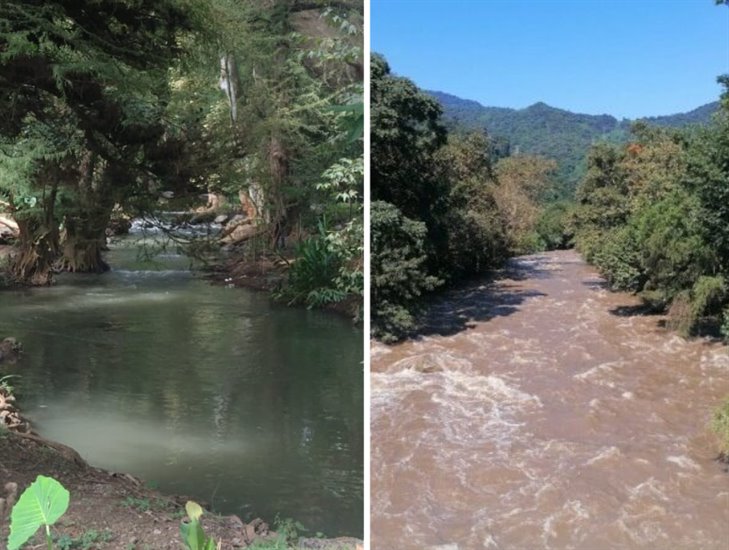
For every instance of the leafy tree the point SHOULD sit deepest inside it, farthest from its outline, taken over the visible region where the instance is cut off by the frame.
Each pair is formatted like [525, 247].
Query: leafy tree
[399, 277]
[90, 75]
[653, 217]
[522, 183]
[405, 135]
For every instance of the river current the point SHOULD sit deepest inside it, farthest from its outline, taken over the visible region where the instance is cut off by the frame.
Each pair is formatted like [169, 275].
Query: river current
[541, 410]
[211, 392]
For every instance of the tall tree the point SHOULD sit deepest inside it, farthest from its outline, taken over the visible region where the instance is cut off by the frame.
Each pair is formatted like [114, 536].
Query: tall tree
[94, 71]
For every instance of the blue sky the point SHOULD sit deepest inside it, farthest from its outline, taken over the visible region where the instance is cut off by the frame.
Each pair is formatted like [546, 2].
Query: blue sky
[627, 58]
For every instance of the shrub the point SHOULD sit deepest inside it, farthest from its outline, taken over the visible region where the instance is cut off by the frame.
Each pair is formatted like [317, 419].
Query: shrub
[688, 307]
[553, 227]
[399, 276]
[720, 425]
[725, 325]
[617, 256]
[312, 277]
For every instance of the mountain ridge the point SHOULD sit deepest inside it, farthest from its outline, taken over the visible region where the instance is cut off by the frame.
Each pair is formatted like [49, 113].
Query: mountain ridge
[557, 133]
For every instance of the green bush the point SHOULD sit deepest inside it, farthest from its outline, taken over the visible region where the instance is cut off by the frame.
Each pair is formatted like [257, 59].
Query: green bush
[553, 226]
[617, 255]
[674, 253]
[398, 273]
[720, 425]
[313, 274]
[725, 325]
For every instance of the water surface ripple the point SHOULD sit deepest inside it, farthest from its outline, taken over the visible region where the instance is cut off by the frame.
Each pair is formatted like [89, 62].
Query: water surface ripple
[205, 391]
[539, 411]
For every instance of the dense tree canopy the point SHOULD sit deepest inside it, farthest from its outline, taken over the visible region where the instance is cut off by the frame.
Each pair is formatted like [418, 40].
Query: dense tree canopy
[447, 205]
[110, 103]
[653, 217]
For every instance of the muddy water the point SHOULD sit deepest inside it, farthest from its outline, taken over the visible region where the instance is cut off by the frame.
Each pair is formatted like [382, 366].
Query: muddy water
[541, 412]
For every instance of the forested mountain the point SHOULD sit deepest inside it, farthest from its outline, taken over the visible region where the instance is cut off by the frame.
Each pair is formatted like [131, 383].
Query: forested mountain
[556, 133]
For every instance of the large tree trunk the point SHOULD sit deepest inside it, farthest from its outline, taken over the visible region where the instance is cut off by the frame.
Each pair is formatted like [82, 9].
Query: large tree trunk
[84, 242]
[279, 169]
[37, 244]
[84, 236]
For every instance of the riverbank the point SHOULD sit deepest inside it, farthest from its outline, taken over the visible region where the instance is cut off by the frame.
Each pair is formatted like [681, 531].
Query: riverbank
[111, 510]
[267, 274]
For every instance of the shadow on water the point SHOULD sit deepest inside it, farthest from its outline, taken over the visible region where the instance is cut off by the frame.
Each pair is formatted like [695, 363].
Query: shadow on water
[642, 310]
[596, 284]
[708, 328]
[474, 301]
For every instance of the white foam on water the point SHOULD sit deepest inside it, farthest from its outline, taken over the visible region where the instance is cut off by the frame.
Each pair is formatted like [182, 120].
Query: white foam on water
[433, 362]
[605, 453]
[684, 462]
[716, 358]
[572, 513]
[601, 374]
[651, 488]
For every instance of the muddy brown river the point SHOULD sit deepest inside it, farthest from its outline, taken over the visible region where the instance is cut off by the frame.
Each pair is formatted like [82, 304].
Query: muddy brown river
[542, 411]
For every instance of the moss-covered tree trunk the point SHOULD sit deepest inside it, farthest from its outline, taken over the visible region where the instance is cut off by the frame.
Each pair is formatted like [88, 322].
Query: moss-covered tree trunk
[84, 241]
[37, 244]
[85, 223]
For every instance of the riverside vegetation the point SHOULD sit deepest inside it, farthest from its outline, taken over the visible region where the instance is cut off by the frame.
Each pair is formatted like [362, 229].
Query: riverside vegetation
[120, 109]
[651, 211]
[446, 205]
[115, 108]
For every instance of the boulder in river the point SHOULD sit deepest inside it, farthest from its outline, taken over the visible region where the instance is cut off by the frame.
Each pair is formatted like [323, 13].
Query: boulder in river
[9, 230]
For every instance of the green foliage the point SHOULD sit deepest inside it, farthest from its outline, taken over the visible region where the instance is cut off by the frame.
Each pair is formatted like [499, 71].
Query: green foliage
[398, 277]
[193, 535]
[41, 505]
[5, 385]
[618, 258]
[86, 541]
[720, 425]
[93, 121]
[725, 325]
[653, 217]
[287, 536]
[405, 135]
[554, 133]
[553, 226]
[442, 210]
[312, 277]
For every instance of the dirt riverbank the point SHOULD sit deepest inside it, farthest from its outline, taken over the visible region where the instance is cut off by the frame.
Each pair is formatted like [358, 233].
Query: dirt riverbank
[110, 510]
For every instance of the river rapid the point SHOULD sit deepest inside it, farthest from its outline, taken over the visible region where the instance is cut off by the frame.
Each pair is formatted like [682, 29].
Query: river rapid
[211, 392]
[541, 411]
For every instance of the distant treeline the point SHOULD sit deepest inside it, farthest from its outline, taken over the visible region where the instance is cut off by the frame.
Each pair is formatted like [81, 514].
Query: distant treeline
[555, 133]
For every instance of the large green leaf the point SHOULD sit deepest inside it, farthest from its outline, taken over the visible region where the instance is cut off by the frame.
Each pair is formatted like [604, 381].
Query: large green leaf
[42, 503]
[192, 532]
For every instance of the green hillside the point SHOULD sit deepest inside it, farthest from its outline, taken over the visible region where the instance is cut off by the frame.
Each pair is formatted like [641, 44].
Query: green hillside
[556, 133]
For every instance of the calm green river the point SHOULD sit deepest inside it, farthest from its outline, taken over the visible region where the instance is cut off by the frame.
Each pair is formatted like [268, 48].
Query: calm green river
[201, 390]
